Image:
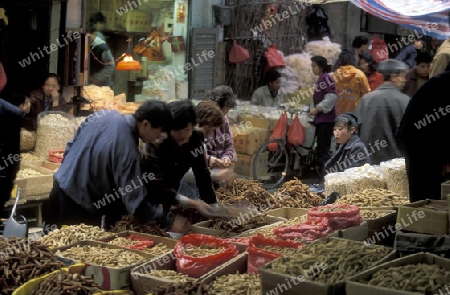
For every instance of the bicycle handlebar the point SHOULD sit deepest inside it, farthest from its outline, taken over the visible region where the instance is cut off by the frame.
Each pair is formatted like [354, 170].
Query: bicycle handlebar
[292, 110]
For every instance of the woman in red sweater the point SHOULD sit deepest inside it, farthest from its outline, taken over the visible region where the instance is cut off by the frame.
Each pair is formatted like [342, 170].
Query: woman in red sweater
[368, 65]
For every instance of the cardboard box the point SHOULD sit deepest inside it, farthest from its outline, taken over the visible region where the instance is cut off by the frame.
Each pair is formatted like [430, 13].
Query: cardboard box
[417, 218]
[271, 280]
[355, 233]
[34, 186]
[408, 243]
[203, 227]
[445, 190]
[111, 16]
[289, 213]
[109, 278]
[170, 243]
[354, 287]
[46, 165]
[244, 164]
[250, 140]
[142, 282]
[379, 225]
[92, 6]
[256, 121]
[113, 4]
[137, 21]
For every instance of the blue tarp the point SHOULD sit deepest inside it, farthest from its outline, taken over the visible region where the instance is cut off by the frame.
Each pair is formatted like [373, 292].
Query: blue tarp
[428, 17]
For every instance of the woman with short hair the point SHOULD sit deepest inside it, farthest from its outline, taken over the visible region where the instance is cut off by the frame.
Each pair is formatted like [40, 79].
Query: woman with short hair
[220, 148]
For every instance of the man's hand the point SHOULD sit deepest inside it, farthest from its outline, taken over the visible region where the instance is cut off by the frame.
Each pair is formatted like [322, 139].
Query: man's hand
[216, 163]
[313, 111]
[226, 162]
[180, 225]
[201, 207]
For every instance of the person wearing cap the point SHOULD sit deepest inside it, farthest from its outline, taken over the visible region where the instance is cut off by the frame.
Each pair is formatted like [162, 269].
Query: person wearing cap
[351, 152]
[422, 133]
[381, 111]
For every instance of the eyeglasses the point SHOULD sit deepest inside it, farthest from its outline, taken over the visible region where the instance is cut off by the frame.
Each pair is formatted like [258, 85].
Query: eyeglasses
[51, 85]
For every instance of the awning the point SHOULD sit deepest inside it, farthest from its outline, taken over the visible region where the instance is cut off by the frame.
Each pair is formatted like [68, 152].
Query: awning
[429, 19]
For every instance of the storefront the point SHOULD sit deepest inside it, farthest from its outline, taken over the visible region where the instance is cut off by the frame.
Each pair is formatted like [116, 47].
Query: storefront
[158, 33]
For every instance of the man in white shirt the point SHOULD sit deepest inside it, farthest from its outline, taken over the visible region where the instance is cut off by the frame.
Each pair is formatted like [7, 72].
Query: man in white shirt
[270, 95]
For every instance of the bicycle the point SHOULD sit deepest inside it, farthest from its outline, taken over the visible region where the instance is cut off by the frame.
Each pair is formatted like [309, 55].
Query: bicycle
[273, 171]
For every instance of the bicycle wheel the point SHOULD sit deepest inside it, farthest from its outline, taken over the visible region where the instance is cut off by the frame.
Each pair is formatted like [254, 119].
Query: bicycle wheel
[270, 167]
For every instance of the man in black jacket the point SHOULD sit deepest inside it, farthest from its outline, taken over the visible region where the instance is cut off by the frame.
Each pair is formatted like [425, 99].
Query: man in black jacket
[10, 122]
[170, 159]
[422, 132]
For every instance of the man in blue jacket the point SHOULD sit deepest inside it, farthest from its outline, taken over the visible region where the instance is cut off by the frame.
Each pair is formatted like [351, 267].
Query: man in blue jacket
[102, 173]
[409, 54]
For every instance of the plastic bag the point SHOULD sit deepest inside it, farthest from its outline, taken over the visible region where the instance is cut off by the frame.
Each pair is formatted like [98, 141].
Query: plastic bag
[395, 176]
[308, 231]
[258, 257]
[297, 133]
[364, 177]
[274, 58]
[340, 216]
[379, 49]
[336, 182]
[54, 130]
[289, 79]
[325, 48]
[27, 140]
[56, 156]
[278, 131]
[198, 266]
[245, 241]
[238, 54]
[143, 242]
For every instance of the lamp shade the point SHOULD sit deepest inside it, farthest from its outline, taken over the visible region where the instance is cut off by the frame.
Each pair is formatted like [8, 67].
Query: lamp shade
[128, 64]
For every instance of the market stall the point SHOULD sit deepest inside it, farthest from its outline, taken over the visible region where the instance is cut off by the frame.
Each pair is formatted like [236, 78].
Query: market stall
[325, 248]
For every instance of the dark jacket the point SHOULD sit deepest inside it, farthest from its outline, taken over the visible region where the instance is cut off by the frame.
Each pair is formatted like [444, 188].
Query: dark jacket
[324, 99]
[411, 83]
[102, 170]
[10, 122]
[423, 132]
[380, 113]
[352, 154]
[39, 104]
[101, 63]
[408, 56]
[169, 162]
